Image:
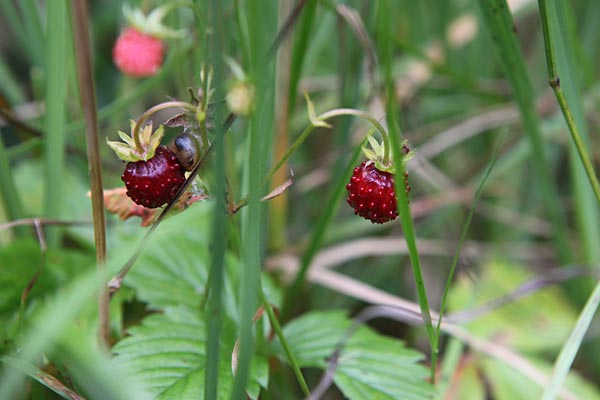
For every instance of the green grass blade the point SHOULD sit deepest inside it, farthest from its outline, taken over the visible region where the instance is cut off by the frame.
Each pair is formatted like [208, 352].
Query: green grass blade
[12, 18]
[316, 240]
[291, 358]
[8, 192]
[219, 222]
[560, 58]
[262, 22]
[560, 35]
[501, 27]
[33, 26]
[55, 101]
[42, 377]
[10, 85]
[384, 17]
[301, 42]
[571, 347]
[51, 326]
[465, 229]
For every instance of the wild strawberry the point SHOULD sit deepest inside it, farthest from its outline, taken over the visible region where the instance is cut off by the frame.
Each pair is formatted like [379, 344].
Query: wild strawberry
[138, 54]
[371, 193]
[154, 182]
[153, 174]
[139, 49]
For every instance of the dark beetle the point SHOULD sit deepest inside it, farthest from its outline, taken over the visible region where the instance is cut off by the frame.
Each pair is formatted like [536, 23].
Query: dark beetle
[185, 147]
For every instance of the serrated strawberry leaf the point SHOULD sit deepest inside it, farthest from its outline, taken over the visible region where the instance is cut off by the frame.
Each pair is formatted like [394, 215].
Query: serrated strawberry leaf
[173, 269]
[171, 275]
[370, 365]
[167, 354]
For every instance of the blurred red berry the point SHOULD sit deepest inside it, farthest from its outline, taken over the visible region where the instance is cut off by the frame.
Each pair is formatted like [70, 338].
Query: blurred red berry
[138, 54]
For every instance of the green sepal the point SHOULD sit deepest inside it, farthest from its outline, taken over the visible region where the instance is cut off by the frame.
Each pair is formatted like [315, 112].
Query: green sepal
[123, 151]
[312, 116]
[151, 24]
[148, 139]
[376, 154]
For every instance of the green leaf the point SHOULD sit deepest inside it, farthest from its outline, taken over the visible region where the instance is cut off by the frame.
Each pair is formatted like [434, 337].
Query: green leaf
[538, 322]
[374, 366]
[19, 262]
[173, 269]
[171, 275]
[476, 374]
[370, 366]
[167, 353]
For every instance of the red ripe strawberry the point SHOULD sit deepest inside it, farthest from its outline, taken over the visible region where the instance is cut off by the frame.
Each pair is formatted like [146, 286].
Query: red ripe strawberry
[138, 54]
[371, 193]
[154, 182]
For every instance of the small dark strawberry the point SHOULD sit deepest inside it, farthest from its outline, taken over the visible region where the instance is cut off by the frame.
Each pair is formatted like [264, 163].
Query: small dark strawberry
[371, 193]
[153, 173]
[154, 182]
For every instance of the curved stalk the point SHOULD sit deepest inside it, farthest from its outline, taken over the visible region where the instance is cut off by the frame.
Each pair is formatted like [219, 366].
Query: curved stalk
[152, 110]
[324, 117]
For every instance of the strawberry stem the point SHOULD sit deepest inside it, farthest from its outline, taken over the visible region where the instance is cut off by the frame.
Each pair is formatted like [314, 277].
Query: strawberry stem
[149, 112]
[319, 121]
[206, 79]
[368, 117]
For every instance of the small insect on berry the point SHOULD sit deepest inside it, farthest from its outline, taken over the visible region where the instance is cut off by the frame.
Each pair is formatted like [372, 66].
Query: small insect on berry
[154, 182]
[185, 147]
[371, 193]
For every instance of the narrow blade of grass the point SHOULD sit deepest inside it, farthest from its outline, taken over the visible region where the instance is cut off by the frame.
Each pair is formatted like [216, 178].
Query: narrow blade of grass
[56, 91]
[10, 85]
[8, 192]
[262, 23]
[219, 231]
[284, 344]
[42, 377]
[501, 27]
[560, 39]
[560, 58]
[463, 236]
[33, 25]
[571, 347]
[300, 46]
[316, 240]
[386, 41]
[17, 27]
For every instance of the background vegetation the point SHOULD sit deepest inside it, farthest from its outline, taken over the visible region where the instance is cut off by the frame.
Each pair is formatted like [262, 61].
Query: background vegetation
[502, 225]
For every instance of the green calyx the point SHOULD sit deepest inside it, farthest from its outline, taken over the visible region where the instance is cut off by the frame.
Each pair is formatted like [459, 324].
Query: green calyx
[376, 152]
[152, 24]
[141, 149]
